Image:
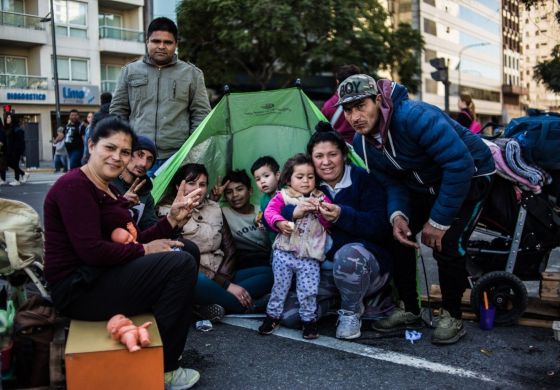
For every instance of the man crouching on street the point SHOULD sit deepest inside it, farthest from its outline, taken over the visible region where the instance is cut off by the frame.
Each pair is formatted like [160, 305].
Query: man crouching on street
[136, 185]
[437, 175]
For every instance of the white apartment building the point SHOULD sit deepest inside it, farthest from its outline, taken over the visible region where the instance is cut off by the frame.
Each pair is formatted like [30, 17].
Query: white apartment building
[539, 35]
[94, 39]
[468, 34]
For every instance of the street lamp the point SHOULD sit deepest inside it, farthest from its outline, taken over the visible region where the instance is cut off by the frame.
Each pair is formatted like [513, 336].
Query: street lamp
[460, 61]
[55, 64]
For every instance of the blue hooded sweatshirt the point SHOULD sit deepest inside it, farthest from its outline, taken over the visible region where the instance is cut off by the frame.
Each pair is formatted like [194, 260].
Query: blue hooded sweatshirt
[420, 149]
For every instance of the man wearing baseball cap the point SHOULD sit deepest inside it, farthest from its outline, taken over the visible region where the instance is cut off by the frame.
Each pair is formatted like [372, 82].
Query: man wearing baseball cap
[136, 186]
[437, 175]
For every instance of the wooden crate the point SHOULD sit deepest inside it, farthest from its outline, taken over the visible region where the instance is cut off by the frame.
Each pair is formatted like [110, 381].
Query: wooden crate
[550, 286]
[95, 361]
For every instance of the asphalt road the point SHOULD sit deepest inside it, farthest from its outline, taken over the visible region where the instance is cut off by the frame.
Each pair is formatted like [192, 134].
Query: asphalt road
[234, 356]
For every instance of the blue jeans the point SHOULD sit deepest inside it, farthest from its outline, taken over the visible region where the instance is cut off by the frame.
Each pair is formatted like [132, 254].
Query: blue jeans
[60, 162]
[74, 158]
[257, 281]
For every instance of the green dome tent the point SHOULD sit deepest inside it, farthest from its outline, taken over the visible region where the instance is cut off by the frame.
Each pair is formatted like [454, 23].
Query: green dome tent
[243, 127]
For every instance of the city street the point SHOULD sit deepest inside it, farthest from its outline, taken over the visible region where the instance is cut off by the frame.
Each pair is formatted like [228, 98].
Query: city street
[234, 356]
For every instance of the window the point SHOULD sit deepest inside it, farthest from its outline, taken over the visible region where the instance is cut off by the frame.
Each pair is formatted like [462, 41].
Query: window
[71, 18]
[430, 27]
[431, 2]
[429, 54]
[109, 77]
[72, 69]
[14, 12]
[431, 86]
[110, 26]
[13, 66]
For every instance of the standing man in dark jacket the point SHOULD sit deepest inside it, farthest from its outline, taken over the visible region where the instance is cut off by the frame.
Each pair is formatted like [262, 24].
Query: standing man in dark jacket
[136, 186]
[437, 175]
[74, 140]
[164, 98]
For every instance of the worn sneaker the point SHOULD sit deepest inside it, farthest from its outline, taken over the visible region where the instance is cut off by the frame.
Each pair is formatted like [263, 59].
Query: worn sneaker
[310, 330]
[213, 312]
[449, 329]
[348, 325]
[268, 325]
[397, 321]
[181, 379]
[15, 183]
[25, 177]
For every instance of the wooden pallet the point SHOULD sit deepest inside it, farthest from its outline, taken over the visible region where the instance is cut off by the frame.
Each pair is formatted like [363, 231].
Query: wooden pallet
[550, 310]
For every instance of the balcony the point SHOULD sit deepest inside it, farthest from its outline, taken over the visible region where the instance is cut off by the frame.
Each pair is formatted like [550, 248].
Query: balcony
[21, 30]
[514, 89]
[108, 86]
[23, 81]
[121, 40]
[121, 4]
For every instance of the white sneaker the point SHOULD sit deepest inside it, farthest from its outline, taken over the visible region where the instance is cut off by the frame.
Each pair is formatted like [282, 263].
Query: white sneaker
[348, 325]
[181, 379]
[15, 183]
[25, 177]
[2, 182]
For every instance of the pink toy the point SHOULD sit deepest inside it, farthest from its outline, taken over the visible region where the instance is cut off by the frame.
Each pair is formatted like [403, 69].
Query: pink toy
[125, 236]
[134, 337]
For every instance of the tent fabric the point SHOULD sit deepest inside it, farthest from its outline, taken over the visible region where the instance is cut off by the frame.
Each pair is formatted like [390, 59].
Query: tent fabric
[243, 127]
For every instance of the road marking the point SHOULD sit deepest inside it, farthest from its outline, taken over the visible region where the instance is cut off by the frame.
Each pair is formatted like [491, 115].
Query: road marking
[366, 351]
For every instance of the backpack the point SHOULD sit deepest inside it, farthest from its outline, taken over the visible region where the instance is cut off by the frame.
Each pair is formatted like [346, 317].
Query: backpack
[21, 236]
[539, 137]
[475, 126]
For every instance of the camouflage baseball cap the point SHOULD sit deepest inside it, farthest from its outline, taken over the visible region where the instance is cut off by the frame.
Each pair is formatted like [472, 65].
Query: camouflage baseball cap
[356, 87]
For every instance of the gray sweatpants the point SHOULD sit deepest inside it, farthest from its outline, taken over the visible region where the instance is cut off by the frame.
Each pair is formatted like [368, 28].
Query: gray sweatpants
[284, 266]
[355, 277]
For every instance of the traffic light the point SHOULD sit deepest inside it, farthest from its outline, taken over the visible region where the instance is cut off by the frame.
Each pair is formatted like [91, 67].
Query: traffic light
[441, 74]
[7, 108]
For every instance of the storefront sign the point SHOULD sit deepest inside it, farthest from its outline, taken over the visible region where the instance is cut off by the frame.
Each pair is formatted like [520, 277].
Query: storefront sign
[79, 94]
[26, 96]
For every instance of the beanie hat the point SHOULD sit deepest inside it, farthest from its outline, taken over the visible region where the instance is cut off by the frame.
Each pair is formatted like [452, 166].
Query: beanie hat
[144, 143]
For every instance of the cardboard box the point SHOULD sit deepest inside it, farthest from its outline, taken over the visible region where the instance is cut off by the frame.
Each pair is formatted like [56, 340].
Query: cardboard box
[95, 361]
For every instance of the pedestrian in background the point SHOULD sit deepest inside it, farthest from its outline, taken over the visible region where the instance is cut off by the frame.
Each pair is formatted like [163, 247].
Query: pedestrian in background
[73, 139]
[103, 112]
[163, 98]
[15, 137]
[467, 110]
[60, 153]
[335, 113]
[3, 156]
[86, 127]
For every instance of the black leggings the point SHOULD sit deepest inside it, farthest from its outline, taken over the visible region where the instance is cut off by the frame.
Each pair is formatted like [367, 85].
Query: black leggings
[160, 283]
[14, 164]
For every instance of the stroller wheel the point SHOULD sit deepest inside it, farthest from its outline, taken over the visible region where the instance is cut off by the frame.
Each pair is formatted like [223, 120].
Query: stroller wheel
[506, 292]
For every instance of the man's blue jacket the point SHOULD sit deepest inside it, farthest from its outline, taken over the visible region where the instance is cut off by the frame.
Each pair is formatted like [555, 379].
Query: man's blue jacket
[421, 149]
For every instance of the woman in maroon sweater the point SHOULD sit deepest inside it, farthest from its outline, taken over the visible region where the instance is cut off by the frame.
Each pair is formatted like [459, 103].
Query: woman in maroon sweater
[93, 278]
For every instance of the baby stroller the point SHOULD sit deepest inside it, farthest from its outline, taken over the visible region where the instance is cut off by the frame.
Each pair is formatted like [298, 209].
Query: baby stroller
[518, 228]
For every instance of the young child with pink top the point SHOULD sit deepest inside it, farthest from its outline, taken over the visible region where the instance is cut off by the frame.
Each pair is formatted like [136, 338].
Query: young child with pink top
[300, 246]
